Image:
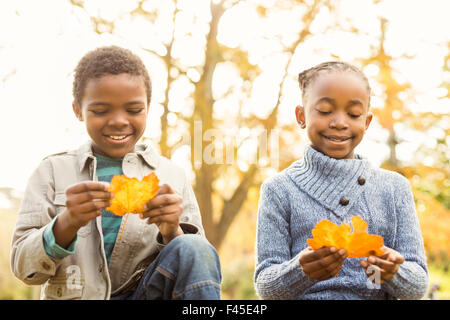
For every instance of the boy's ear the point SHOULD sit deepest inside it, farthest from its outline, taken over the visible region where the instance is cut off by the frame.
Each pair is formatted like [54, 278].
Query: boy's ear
[368, 119]
[77, 111]
[300, 116]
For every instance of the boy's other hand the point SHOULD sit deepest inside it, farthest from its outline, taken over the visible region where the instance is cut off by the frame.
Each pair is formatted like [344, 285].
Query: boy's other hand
[323, 263]
[85, 200]
[165, 210]
[387, 265]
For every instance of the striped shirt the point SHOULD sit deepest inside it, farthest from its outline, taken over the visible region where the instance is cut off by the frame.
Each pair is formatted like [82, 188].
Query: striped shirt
[106, 169]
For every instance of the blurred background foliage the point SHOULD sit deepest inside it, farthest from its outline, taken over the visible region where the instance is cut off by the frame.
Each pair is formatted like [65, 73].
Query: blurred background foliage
[220, 83]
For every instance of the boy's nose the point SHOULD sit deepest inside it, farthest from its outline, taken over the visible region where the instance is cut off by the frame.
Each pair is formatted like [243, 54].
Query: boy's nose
[118, 120]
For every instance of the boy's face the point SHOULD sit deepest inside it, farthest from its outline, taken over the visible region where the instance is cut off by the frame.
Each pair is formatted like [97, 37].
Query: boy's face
[335, 114]
[114, 108]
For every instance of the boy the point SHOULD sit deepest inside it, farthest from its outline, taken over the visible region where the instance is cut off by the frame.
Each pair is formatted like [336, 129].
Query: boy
[66, 241]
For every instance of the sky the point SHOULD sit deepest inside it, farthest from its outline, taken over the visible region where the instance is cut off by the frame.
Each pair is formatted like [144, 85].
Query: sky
[41, 44]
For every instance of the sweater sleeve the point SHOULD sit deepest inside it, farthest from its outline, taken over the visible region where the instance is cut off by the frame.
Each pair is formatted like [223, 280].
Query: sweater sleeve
[411, 280]
[278, 275]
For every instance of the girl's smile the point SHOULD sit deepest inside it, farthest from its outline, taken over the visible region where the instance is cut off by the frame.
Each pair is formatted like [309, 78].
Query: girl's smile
[337, 140]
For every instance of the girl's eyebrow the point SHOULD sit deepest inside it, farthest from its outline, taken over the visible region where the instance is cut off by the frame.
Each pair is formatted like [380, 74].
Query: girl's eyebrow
[354, 102]
[327, 99]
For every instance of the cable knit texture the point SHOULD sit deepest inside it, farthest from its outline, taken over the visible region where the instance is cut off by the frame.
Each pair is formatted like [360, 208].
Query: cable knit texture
[311, 189]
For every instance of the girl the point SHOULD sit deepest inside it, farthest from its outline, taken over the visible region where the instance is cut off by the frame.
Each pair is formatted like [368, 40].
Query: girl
[332, 182]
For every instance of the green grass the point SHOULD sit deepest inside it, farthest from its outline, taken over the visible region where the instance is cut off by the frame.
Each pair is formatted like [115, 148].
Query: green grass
[441, 277]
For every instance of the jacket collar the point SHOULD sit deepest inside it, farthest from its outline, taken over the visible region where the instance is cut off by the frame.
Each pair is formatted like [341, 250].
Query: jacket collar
[328, 180]
[85, 155]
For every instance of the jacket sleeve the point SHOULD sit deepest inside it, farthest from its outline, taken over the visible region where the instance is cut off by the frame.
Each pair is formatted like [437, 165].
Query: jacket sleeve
[52, 248]
[278, 275]
[411, 280]
[29, 260]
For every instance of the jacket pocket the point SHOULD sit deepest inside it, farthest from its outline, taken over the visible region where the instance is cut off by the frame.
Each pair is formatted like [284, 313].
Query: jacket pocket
[61, 288]
[60, 205]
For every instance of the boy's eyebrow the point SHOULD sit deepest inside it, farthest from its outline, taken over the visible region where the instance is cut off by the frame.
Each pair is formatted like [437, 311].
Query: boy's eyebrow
[99, 103]
[134, 102]
[106, 104]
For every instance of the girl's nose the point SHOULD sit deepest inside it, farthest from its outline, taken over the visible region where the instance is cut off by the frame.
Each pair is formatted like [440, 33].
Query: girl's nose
[338, 122]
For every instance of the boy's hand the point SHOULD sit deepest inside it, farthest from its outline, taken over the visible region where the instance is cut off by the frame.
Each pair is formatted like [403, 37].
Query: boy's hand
[165, 210]
[387, 265]
[85, 200]
[323, 263]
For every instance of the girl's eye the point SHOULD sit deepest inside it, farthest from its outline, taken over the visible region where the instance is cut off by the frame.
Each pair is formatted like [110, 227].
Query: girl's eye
[324, 112]
[355, 116]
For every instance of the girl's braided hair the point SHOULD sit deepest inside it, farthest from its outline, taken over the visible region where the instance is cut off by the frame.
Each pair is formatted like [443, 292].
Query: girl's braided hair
[108, 60]
[305, 78]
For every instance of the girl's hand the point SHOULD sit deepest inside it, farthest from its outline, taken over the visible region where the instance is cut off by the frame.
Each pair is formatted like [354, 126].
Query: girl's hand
[165, 210]
[323, 263]
[387, 265]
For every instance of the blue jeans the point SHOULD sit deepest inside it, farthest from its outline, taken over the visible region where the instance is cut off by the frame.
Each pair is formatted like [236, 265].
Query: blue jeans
[188, 268]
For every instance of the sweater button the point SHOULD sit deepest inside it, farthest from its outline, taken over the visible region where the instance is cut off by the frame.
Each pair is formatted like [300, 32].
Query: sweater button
[344, 201]
[361, 180]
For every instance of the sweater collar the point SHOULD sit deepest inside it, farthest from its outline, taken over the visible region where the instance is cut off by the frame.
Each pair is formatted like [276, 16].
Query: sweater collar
[331, 181]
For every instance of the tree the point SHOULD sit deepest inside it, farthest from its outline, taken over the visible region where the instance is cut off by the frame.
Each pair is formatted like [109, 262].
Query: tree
[218, 207]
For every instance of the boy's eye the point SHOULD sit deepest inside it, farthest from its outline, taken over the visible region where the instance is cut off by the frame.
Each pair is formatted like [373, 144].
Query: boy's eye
[135, 111]
[355, 116]
[98, 112]
[324, 112]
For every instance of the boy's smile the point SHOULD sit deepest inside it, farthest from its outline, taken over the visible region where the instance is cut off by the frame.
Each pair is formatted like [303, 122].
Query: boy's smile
[336, 114]
[114, 108]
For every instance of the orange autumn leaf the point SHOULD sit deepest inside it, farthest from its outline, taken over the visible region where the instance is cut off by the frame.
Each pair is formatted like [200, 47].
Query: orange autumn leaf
[130, 194]
[358, 243]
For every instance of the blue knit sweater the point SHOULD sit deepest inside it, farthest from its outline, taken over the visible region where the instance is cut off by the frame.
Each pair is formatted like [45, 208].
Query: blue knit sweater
[312, 189]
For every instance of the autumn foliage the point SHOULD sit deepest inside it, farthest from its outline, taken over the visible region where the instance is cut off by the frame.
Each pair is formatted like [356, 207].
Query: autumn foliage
[130, 194]
[358, 243]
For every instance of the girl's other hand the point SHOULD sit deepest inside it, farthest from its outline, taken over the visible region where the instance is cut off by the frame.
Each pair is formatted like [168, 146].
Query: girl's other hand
[387, 265]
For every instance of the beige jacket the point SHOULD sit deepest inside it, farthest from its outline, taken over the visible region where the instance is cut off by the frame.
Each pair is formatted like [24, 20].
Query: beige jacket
[85, 274]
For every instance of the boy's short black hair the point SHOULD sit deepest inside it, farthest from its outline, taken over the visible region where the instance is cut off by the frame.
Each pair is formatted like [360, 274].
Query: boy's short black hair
[108, 60]
[306, 77]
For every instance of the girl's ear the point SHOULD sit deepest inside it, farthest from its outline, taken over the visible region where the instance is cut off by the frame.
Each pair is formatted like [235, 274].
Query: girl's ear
[300, 116]
[77, 111]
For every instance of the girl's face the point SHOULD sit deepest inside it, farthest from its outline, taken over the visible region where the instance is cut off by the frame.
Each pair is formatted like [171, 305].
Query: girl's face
[336, 113]
[114, 108]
